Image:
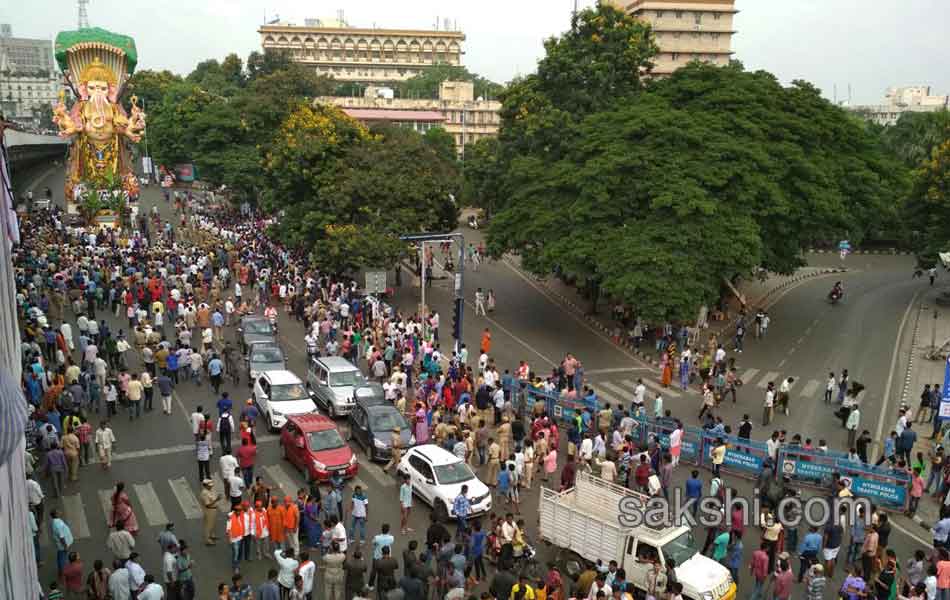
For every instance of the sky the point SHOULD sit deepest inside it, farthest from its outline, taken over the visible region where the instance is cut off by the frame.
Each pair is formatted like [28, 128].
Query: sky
[868, 46]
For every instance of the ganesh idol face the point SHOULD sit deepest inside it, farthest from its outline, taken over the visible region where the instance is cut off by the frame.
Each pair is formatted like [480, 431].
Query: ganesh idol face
[98, 111]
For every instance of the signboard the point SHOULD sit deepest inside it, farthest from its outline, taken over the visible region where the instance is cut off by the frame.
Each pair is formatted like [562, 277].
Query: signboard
[186, 172]
[945, 398]
[880, 492]
[689, 449]
[376, 282]
[147, 165]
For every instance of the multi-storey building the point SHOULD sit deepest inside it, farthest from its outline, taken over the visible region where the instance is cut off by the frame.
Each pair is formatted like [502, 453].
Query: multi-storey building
[467, 118]
[898, 100]
[686, 30]
[29, 81]
[360, 55]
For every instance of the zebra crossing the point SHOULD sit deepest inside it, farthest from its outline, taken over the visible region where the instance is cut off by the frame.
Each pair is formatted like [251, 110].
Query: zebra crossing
[157, 503]
[621, 392]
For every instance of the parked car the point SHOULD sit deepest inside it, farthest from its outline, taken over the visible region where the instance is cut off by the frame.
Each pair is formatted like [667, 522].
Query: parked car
[331, 380]
[369, 393]
[263, 356]
[372, 426]
[313, 444]
[255, 328]
[437, 477]
[280, 394]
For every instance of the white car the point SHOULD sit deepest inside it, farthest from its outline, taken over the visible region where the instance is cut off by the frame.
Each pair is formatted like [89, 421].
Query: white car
[279, 394]
[437, 476]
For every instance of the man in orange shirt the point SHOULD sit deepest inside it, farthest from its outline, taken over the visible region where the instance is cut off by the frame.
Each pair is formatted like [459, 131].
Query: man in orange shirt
[292, 523]
[237, 527]
[275, 518]
[486, 342]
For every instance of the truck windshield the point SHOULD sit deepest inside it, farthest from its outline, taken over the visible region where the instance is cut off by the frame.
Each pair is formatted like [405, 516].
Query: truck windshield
[681, 549]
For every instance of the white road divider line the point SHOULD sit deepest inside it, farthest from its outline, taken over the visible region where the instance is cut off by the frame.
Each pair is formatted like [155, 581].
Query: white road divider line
[748, 375]
[624, 396]
[770, 376]
[665, 392]
[377, 473]
[810, 388]
[151, 505]
[186, 498]
[75, 516]
[105, 501]
[286, 483]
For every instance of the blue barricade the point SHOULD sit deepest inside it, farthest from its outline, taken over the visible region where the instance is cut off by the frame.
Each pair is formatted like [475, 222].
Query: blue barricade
[558, 407]
[743, 457]
[884, 486]
[691, 444]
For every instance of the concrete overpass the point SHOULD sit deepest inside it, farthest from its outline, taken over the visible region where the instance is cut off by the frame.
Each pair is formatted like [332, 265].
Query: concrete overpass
[29, 150]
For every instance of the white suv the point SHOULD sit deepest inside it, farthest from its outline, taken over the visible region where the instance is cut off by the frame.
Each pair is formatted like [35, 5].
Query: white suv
[437, 476]
[279, 394]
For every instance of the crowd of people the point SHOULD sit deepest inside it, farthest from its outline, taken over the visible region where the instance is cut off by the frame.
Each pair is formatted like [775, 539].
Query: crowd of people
[177, 290]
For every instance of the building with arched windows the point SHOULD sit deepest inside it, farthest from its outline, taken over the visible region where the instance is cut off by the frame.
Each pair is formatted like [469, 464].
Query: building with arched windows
[367, 56]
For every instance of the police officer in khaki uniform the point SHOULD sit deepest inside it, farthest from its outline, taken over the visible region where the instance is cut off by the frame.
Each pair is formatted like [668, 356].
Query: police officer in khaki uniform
[209, 506]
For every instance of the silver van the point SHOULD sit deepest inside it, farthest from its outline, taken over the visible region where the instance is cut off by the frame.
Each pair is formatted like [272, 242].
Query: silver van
[331, 381]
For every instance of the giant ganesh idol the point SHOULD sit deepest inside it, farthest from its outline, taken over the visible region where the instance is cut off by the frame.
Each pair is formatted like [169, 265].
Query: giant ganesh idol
[97, 64]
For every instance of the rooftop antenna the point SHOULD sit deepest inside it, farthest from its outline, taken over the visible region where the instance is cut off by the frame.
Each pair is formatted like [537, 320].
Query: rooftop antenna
[836, 94]
[83, 14]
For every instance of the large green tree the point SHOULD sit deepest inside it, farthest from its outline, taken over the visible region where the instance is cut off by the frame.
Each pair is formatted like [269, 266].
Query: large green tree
[928, 205]
[655, 193]
[150, 87]
[347, 194]
[483, 175]
[916, 134]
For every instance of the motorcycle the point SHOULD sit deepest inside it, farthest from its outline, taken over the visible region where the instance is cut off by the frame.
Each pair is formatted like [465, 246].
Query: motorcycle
[835, 295]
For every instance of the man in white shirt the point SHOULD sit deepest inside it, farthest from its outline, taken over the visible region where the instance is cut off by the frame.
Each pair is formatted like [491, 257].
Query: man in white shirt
[639, 392]
[35, 496]
[307, 570]
[587, 450]
[169, 568]
[236, 487]
[768, 407]
[339, 534]
[783, 390]
[227, 464]
[197, 418]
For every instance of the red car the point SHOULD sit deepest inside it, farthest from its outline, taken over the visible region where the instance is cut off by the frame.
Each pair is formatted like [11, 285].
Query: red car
[314, 445]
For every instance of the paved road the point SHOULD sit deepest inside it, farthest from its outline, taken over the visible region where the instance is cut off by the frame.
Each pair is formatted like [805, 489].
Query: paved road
[155, 456]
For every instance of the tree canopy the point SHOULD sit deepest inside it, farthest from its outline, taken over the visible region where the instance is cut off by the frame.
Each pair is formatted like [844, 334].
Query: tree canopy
[653, 193]
[347, 194]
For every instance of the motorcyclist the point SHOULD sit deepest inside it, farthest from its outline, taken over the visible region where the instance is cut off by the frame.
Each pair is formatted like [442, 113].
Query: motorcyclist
[837, 291]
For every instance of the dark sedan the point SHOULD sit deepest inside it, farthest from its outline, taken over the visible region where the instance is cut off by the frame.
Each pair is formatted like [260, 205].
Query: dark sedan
[372, 426]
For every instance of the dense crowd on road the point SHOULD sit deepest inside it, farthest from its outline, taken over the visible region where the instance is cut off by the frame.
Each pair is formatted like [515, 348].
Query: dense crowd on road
[179, 289]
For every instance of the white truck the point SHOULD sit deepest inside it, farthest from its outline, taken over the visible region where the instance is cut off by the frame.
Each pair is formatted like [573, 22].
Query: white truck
[586, 520]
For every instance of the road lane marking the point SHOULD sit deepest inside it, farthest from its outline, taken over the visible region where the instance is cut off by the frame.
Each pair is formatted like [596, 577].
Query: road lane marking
[504, 330]
[659, 389]
[224, 504]
[810, 388]
[151, 505]
[377, 473]
[105, 501]
[177, 449]
[186, 498]
[75, 516]
[769, 377]
[890, 375]
[748, 375]
[283, 480]
[617, 370]
[617, 390]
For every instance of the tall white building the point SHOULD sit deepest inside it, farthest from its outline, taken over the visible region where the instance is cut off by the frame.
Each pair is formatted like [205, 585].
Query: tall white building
[898, 100]
[29, 80]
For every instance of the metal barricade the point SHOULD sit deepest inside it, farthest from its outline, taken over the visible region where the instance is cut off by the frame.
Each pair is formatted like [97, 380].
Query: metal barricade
[884, 486]
[650, 429]
[744, 457]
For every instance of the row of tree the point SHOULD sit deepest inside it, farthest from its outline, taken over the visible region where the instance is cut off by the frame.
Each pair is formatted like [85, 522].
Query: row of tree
[345, 192]
[655, 190]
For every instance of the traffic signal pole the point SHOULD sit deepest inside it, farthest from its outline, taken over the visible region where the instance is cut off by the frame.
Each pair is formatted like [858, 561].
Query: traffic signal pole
[458, 309]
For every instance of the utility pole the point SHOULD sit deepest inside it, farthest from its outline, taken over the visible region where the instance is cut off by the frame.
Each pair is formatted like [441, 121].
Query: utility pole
[459, 301]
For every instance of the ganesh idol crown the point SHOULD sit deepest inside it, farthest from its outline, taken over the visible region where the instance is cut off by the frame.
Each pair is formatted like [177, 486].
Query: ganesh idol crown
[97, 65]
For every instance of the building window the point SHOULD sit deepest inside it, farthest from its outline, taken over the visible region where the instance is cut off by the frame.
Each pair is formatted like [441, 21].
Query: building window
[716, 16]
[659, 14]
[676, 35]
[679, 14]
[699, 17]
[714, 36]
[676, 56]
[695, 34]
